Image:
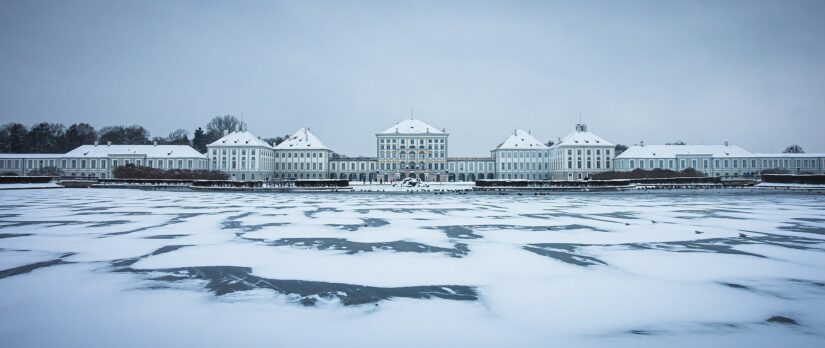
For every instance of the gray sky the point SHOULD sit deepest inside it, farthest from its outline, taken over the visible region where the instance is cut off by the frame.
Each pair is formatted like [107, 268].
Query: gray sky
[750, 72]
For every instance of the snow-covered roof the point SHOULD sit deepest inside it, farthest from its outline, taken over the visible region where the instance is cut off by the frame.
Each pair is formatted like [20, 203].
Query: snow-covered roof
[521, 140]
[240, 138]
[30, 155]
[582, 137]
[671, 151]
[303, 139]
[787, 155]
[412, 126]
[170, 151]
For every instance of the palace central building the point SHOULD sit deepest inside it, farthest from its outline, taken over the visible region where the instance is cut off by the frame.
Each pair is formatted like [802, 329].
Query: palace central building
[412, 149]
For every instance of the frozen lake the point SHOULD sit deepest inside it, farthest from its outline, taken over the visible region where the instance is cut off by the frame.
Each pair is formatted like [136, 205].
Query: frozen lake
[131, 268]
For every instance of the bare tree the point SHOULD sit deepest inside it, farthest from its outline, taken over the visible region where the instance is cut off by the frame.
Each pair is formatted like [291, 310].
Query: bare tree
[793, 149]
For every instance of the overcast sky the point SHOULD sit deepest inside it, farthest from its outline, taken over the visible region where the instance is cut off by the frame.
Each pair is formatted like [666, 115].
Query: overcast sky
[749, 72]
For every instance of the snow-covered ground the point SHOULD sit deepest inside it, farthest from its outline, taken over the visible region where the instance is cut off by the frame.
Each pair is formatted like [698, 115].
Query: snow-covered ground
[28, 186]
[133, 268]
[425, 186]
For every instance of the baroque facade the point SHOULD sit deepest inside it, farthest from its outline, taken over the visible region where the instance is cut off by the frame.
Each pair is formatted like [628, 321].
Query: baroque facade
[521, 156]
[98, 161]
[414, 149]
[727, 160]
[242, 156]
[302, 156]
[580, 155]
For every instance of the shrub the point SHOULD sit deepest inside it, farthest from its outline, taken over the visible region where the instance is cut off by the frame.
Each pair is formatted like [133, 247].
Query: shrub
[649, 174]
[45, 171]
[131, 171]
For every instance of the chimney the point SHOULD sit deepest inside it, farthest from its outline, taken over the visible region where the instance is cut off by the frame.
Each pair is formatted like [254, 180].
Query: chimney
[642, 143]
[726, 143]
[225, 132]
[155, 143]
[530, 132]
[109, 143]
[515, 131]
[96, 142]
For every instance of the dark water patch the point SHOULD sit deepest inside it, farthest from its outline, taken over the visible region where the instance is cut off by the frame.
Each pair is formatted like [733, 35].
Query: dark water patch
[458, 231]
[713, 245]
[779, 319]
[533, 228]
[190, 207]
[645, 332]
[130, 261]
[123, 213]
[109, 223]
[31, 267]
[93, 210]
[12, 206]
[810, 219]
[809, 282]
[803, 228]
[440, 211]
[625, 215]
[351, 248]
[166, 236]
[563, 254]
[574, 227]
[368, 222]
[180, 217]
[735, 286]
[52, 223]
[556, 215]
[722, 325]
[224, 280]
[12, 235]
[235, 223]
[710, 213]
[312, 213]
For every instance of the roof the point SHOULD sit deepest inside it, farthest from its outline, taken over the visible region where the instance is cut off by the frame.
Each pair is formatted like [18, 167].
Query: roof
[521, 140]
[303, 139]
[29, 155]
[240, 138]
[582, 137]
[170, 151]
[412, 126]
[789, 155]
[671, 151]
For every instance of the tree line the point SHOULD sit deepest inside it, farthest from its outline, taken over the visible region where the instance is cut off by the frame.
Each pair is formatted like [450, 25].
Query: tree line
[48, 137]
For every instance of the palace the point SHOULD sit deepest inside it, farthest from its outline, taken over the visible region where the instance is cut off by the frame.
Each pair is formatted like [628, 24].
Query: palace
[414, 149]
